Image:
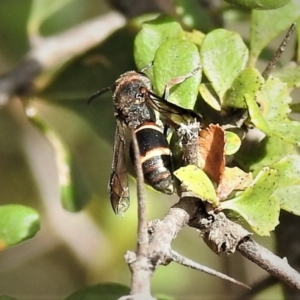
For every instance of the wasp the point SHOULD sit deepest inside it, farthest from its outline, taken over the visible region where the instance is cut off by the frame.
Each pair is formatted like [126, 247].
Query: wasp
[134, 107]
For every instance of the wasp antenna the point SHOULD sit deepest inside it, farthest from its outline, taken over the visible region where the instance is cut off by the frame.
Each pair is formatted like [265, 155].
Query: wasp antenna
[97, 94]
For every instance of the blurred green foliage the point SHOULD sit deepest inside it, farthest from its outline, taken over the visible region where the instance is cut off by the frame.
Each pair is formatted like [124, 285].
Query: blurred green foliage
[76, 250]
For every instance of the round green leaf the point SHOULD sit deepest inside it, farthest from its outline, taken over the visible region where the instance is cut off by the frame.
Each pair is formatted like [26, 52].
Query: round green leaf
[17, 223]
[223, 55]
[233, 143]
[196, 181]
[259, 4]
[256, 204]
[184, 58]
[107, 291]
[151, 36]
[247, 82]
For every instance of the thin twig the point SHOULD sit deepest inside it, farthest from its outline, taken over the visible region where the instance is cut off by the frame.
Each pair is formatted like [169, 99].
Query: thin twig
[266, 73]
[139, 263]
[54, 51]
[143, 239]
[180, 259]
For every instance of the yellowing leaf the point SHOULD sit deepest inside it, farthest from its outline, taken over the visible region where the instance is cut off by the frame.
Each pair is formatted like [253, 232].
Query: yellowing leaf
[233, 179]
[195, 180]
[256, 204]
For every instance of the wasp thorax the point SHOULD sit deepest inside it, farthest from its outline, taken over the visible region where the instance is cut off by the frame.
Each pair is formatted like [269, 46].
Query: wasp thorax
[130, 98]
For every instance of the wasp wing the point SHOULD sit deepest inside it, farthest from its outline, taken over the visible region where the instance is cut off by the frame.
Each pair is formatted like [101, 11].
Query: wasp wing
[118, 182]
[173, 113]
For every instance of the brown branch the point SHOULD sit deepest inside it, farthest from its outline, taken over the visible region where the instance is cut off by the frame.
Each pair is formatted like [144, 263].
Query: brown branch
[165, 230]
[52, 52]
[270, 262]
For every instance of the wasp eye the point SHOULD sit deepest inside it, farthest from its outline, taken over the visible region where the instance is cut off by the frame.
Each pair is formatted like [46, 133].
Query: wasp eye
[143, 91]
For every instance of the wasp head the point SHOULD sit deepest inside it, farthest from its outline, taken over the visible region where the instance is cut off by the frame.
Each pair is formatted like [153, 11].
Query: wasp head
[130, 95]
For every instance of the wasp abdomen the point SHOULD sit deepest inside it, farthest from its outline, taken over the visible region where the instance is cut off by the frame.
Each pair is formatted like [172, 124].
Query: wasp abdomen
[155, 157]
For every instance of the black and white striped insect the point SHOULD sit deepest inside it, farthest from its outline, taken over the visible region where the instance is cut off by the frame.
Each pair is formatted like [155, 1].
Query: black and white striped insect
[134, 106]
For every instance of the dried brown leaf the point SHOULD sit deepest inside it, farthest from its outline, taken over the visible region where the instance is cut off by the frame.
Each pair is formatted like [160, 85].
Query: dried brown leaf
[212, 154]
[233, 179]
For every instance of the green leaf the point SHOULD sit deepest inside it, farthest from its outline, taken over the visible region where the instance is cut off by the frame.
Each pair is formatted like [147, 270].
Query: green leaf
[193, 15]
[256, 204]
[73, 190]
[107, 291]
[173, 59]
[151, 36]
[223, 56]
[262, 153]
[209, 96]
[233, 143]
[7, 298]
[290, 75]
[195, 36]
[196, 181]
[259, 4]
[40, 11]
[264, 28]
[17, 223]
[287, 193]
[256, 116]
[247, 82]
[274, 103]
[288, 197]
